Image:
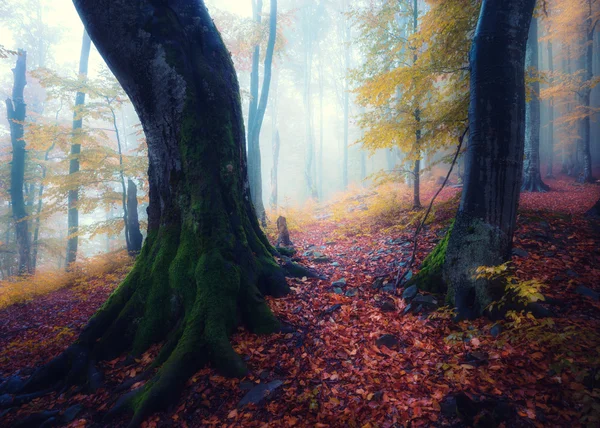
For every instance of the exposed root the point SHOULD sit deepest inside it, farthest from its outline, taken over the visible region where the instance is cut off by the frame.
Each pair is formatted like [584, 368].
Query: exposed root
[531, 184]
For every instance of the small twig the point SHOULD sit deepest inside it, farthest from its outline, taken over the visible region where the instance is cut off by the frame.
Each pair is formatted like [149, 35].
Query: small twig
[400, 277]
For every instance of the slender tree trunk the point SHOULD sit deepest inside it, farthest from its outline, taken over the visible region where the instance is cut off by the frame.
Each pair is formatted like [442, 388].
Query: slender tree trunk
[135, 237]
[16, 113]
[417, 167]
[586, 173]
[347, 59]
[307, 95]
[255, 122]
[532, 177]
[73, 198]
[550, 170]
[276, 146]
[124, 201]
[484, 225]
[206, 263]
[321, 127]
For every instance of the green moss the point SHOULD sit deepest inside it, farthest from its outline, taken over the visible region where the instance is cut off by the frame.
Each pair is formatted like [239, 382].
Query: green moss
[286, 251]
[430, 277]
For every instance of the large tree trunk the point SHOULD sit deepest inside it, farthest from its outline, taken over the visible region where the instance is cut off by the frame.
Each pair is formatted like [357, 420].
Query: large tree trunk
[532, 177]
[73, 197]
[257, 109]
[417, 167]
[16, 112]
[205, 264]
[484, 225]
[135, 238]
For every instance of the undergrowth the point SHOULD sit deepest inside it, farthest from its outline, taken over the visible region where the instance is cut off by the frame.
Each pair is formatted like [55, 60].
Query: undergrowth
[22, 289]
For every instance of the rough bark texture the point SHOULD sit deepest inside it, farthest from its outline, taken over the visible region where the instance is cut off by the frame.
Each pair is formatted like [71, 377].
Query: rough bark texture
[206, 264]
[135, 237]
[484, 225]
[73, 197]
[532, 177]
[16, 112]
[586, 158]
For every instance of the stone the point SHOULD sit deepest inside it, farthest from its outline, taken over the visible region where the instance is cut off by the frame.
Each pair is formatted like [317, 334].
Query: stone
[338, 290]
[377, 284]
[388, 340]
[335, 264]
[388, 306]
[332, 309]
[389, 288]
[407, 309]
[572, 273]
[588, 292]
[352, 292]
[519, 252]
[322, 259]
[425, 300]
[339, 283]
[410, 292]
[260, 392]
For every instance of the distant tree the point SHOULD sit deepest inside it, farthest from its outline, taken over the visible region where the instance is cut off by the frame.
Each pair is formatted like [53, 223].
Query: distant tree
[73, 198]
[258, 105]
[532, 178]
[16, 113]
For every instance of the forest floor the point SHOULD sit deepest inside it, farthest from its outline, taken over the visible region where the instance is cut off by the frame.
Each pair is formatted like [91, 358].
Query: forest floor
[335, 370]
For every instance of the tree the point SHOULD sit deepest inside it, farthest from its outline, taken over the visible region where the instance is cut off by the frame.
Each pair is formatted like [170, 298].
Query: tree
[550, 170]
[16, 113]
[205, 263]
[134, 238]
[532, 178]
[73, 198]
[484, 225]
[258, 106]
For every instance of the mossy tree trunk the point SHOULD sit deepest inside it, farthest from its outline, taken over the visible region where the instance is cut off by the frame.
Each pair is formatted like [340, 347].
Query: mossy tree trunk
[484, 225]
[206, 264]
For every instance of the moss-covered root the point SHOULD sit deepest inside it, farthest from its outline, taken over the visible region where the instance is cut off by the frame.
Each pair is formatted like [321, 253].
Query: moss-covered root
[294, 270]
[431, 276]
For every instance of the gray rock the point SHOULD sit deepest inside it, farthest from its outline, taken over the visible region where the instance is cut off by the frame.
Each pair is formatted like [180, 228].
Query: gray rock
[352, 292]
[425, 300]
[519, 252]
[410, 293]
[377, 284]
[338, 290]
[389, 288]
[388, 306]
[339, 283]
[572, 273]
[588, 292]
[260, 392]
[388, 340]
[246, 385]
[335, 264]
[407, 309]
[322, 259]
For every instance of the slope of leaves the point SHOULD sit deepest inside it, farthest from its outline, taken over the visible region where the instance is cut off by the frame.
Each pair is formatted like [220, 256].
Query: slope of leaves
[333, 372]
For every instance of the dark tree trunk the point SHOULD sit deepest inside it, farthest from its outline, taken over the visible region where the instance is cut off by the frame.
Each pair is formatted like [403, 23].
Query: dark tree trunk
[586, 158]
[309, 160]
[346, 39]
[484, 225]
[124, 188]
[417, 167]
[550, 170]
[257, 109]
[532, 177]
[417, 185]
[73, 197]
[594, 211]
[16, 112]
[135, 238]
[205, 264]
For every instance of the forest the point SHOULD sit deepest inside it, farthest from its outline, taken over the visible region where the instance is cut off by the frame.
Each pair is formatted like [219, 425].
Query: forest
[299, 213]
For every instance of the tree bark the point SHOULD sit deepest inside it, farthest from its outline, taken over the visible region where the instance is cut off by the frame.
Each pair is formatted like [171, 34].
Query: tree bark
[586, 172]
[124, 188]
[309, 159]
[276, 147]
[550, 170]
[257, 111]
[16, 113]
[206, 263]
[346, 39]
[135, 238]
[484, 225]
[417, 167]
[532, 177]
[73, 197]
